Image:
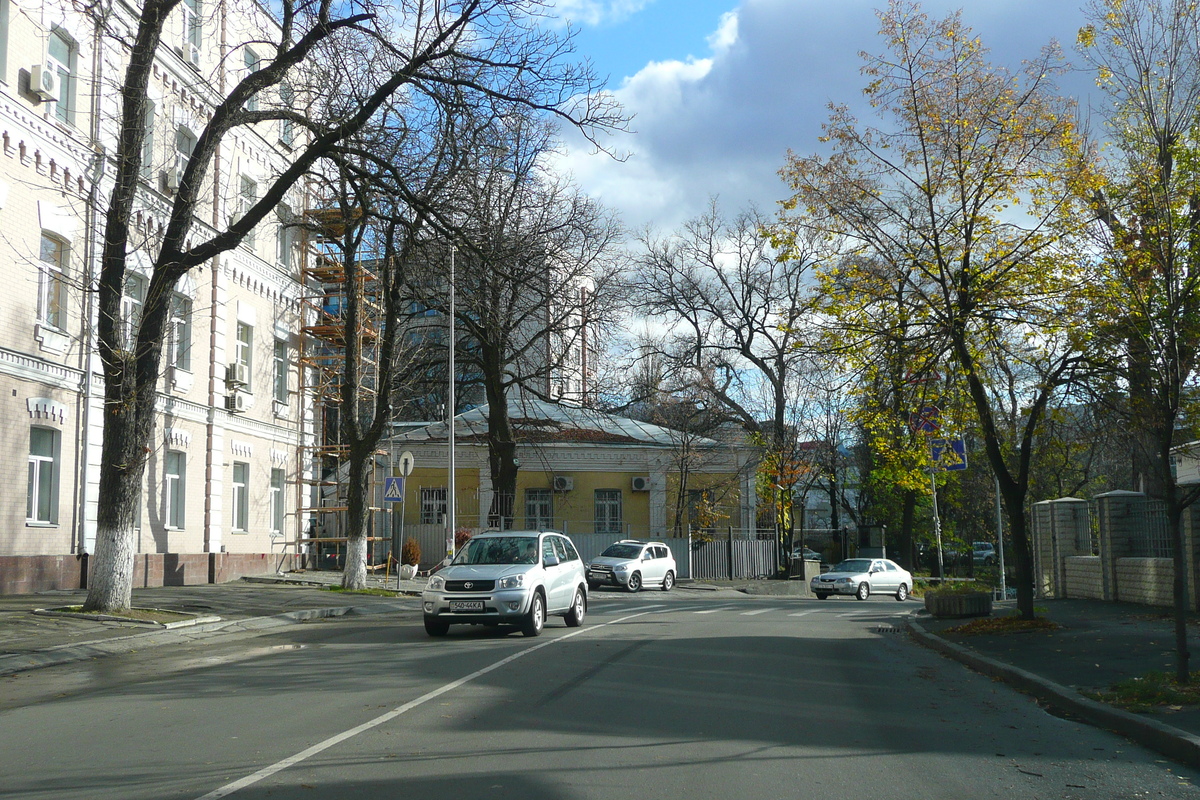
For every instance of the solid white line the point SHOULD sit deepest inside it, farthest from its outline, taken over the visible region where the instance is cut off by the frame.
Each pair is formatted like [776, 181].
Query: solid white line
[308, 753]
[802, 613]
[760, 611]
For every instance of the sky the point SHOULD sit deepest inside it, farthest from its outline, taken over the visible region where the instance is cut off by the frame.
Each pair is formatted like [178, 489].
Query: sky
[720, 90]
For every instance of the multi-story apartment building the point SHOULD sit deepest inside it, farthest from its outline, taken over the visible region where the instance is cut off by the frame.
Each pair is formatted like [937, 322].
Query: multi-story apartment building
[221, 485]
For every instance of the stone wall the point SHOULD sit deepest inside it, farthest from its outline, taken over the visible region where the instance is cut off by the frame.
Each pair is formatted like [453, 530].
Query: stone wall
[1145, 580]
[1084, 577]
[30, 574]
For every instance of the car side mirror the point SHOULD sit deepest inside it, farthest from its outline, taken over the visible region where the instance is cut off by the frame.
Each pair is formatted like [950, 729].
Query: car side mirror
[551, 560]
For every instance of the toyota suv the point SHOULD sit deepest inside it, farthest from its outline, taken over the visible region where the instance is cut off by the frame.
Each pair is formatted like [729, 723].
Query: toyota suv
[511, 578]
[633, 564]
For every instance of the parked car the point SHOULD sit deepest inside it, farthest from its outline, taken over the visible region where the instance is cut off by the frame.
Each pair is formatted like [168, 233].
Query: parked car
[508, 577]
[984, 553]
[808, 553]
[862, 577]
[633, 564]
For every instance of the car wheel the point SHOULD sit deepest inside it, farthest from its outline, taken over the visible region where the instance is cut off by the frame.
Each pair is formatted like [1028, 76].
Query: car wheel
[578, 610]
[902, 593]
[535, 620]
[864, 591]
[668, 581]
[435, 628]
[635, 582]
[822, 595]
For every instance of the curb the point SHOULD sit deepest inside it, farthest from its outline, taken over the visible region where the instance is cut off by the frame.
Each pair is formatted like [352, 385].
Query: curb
[1176, 744]
[162, 634]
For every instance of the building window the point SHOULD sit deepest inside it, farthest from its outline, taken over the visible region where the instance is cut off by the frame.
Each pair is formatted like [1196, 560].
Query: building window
[241, 496]
[132, 303]
[41, 498]
[60, 57]
[243, 352]
[608, 511]
[52, 283]
[286, 241]
[148, 140]
[433, 506]
[277, 496]
[175, 472]
[193, 31]
[247, 197]
[181, 332]
[3, 39]
[287, 128]
[539, 509]
[253, 64]
[185, 143]
[281, 371]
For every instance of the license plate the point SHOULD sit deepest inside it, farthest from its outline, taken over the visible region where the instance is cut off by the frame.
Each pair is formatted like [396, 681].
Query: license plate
[466, 605]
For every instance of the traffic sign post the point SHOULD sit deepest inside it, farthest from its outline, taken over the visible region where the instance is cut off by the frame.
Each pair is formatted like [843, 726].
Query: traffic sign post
[393, 492]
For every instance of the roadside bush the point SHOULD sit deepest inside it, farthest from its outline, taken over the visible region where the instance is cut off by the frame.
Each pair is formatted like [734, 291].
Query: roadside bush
[460, 538]
[410, 552]
[951, 587]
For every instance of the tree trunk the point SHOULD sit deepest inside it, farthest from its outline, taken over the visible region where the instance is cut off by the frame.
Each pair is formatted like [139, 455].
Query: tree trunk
[354, 575]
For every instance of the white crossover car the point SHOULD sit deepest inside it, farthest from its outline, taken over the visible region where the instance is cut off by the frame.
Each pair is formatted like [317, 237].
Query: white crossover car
[863, 577]
[508, 578]
[633, 564]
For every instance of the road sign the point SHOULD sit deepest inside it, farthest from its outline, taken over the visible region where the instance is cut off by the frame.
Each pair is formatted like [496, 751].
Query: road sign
[925, 420]
[949, 454]
[405, 464]
[393, 490]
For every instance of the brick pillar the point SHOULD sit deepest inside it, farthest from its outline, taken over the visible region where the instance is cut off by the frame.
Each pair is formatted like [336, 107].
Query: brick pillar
[1071, 537]
[1117, 514]
[1042, 535]
[1191, 552]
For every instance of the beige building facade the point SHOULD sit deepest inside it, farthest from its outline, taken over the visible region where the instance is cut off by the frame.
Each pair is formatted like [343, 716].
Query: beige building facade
[225, 467]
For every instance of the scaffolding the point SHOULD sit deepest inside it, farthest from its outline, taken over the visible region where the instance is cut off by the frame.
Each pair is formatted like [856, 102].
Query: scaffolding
[323, 350]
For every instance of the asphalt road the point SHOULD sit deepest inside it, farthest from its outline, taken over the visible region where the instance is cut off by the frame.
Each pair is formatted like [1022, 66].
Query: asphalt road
[674, 695]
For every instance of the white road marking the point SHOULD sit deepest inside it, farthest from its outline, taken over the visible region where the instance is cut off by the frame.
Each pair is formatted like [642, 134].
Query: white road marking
[803, 613]
[760, 611]
[304, 755]
[714, 610]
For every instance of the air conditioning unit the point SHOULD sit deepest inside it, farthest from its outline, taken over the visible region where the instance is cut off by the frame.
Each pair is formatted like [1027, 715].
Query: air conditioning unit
[563, 484]
[237, 402]
[235, 374]
[44, 82]
[641, 483]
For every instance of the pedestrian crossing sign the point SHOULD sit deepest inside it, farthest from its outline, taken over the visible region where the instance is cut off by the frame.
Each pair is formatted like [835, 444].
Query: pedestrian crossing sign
[393, 490]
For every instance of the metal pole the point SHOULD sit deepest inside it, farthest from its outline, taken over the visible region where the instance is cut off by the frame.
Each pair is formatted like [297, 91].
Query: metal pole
[450, 404]
[937, 527]
[1000, 541]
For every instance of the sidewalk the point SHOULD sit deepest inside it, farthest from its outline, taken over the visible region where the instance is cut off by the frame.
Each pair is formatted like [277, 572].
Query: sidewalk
[29, 639]
[1096, 645]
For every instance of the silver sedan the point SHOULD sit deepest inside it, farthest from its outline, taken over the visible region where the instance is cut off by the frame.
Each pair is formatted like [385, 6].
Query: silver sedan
[862, 577]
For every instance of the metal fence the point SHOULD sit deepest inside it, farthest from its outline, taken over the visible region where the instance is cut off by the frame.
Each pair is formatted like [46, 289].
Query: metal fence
[1150, 537]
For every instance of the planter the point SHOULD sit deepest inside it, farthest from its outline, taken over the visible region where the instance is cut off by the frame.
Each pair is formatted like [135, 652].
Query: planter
[408, 572]
[971, 604]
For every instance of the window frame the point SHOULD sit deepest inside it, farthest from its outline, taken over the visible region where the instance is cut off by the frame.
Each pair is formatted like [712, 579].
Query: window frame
[433, 505]
[175, 489]
[240, 483]
[539, 501]
[279, 358]
[65, 65]
[181, 332]
[605, 501]
[278, 504]
[43, 475]
[132, 306]
[52, 283]
[244, 351]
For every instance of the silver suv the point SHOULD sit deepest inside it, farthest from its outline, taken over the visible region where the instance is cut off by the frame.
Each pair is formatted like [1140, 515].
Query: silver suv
[508, 577]
[633, 564]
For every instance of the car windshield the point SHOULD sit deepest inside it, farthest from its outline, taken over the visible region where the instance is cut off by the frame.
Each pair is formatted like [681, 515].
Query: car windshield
[623, 551]
[499, 550]
[853, 565]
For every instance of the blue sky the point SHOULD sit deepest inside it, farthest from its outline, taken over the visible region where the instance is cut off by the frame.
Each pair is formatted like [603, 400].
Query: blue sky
[721, 89]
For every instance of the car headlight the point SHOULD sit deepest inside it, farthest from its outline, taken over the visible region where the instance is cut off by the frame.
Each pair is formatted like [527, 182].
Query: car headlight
[511, 582]
[436, 583]
[621, 568]
[845, 581]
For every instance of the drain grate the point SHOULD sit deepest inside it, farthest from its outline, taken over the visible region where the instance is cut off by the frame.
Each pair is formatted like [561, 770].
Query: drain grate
[889, 629]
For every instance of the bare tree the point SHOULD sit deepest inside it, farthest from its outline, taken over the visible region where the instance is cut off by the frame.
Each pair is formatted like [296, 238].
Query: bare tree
[484, 48]
[532, 272]
[738, 322]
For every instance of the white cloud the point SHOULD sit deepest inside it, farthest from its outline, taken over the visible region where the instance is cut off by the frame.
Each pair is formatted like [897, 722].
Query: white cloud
[721, 123]
[597, 12]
